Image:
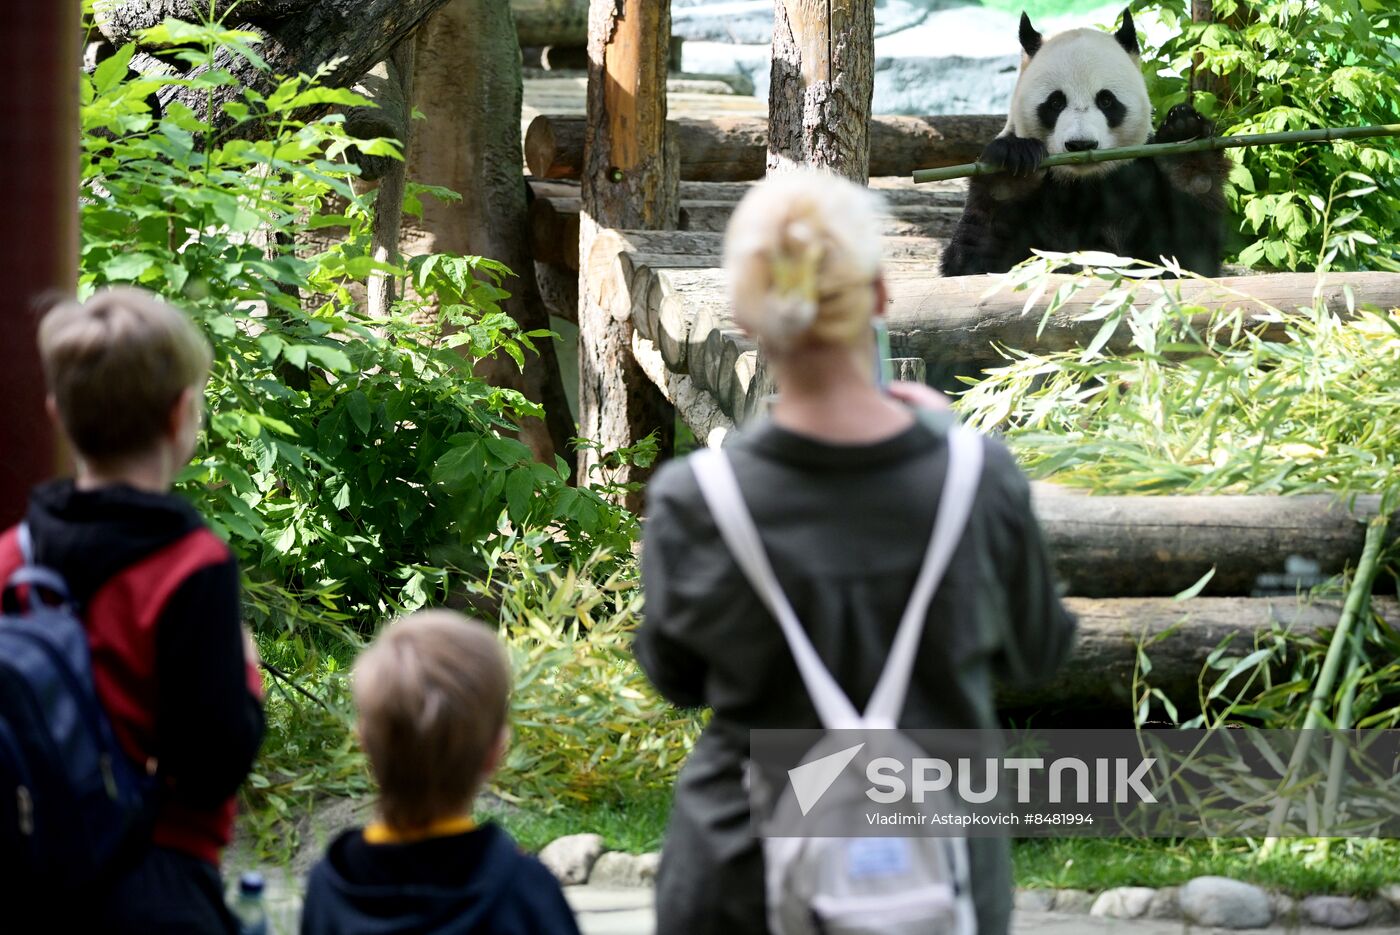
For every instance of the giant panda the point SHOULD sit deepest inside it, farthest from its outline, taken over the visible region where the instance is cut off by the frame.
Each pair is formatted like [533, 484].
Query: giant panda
[1083, 89]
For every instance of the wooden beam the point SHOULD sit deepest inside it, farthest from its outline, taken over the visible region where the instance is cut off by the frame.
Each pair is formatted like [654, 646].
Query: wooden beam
[734, 149]
[551, 22]
[39, 227]
[1138, 546]
[629, 181]
[1099, 672]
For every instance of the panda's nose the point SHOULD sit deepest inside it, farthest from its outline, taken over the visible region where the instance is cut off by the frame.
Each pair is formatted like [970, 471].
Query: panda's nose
[1079, 146]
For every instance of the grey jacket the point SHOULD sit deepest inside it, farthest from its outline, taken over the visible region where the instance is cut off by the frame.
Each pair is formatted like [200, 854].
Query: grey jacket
[845, 528]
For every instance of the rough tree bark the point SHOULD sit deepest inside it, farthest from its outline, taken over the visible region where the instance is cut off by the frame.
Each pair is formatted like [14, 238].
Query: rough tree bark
[390, 84]
[822, 82]
[629, 181]
[468, 85]
[39, 227]
[298, 36]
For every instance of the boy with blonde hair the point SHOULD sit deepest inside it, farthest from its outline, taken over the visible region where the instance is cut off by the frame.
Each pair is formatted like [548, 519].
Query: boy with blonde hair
[432, 694]
[158, 595]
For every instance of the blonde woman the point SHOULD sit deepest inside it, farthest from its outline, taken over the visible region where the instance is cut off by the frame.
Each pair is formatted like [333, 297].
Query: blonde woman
[843, 480]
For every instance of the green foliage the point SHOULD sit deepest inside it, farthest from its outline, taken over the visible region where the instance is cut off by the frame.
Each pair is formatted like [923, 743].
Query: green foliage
[356, 463]
[1170, 397]
[587, 727]
[1293, 65]
[1303, 867]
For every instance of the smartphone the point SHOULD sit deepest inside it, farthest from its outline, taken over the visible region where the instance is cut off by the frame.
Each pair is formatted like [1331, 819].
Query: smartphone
[884, 369]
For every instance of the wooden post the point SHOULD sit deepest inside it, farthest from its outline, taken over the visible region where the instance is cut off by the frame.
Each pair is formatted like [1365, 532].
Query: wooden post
[39, 227]
[629, 181]
[467, 81]
[822, 82]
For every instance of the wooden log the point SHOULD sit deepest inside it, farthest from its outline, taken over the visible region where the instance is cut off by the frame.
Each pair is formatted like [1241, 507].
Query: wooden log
[551, 22]
[821, 84]
[695, 407]
[1099, 671]
[629, 181]
[890, 190]
[558, 291]
[1130, 546]
[915, 233]
[956, 321]
[900, 220]
[554, 231]
[734, 149]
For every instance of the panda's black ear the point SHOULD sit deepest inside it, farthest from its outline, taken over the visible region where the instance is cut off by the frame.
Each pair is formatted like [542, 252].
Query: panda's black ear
[1030, 39]
[1127, 33]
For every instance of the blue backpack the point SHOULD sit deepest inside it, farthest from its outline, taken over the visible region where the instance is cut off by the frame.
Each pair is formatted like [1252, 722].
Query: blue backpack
[71, 800]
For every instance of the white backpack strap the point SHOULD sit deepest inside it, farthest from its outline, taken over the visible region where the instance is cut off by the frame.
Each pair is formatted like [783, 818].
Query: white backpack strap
[954, 506]
[721, 491]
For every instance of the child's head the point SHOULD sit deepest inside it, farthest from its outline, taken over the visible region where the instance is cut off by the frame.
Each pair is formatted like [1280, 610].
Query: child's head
[125, 375]
[431, 693]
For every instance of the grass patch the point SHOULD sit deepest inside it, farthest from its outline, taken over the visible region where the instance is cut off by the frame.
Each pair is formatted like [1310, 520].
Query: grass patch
[1041, 9]
[636, 827]
[1300, 868]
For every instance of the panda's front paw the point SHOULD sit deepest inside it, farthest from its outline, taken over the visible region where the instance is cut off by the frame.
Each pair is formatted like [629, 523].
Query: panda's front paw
[1018, 155]
[1184, 122]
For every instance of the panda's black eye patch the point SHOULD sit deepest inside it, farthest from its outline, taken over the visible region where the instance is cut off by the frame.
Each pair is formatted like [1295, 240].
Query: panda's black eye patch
[1050, 109]
[1113, 109]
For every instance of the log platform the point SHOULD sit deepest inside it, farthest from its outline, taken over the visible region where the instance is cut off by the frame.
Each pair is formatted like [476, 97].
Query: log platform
[1122, 558]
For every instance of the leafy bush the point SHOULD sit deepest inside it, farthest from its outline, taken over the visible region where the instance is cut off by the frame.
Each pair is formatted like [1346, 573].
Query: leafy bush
[356, 464]
[1293, 65]
[587, 725]
[1191, 402]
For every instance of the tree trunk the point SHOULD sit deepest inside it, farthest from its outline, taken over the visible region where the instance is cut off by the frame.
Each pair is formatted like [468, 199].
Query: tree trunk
[391, 85]
[39, 227]
[629, 181]
[298, 37]
[735, 149]
[1099, 673]
[120, 20]
[468, 84]
[822, 81]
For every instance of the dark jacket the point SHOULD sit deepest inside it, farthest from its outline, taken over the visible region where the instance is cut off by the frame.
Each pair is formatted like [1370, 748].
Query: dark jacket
[846, 529]
[476, 883]
[159, 597]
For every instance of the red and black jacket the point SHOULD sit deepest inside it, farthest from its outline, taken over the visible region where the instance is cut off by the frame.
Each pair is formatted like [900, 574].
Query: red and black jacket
[158, 593]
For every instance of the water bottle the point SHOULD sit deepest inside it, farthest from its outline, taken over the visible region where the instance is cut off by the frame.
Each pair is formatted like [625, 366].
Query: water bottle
[249, 908]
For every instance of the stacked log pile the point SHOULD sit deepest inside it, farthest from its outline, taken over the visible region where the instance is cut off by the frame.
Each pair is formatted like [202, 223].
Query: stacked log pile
[1122, 558]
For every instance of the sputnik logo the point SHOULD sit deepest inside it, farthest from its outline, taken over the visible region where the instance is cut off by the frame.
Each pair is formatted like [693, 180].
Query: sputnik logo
[811, 780]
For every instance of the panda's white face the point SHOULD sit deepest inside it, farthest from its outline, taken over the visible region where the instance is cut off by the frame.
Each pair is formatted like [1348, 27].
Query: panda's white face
[1082, 89]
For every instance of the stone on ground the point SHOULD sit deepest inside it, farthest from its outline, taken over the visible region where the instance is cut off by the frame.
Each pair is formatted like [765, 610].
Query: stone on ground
[571, 857]
[624, 870]
[1123, 902]
[1226, 903]
[1338, 912]
[1073, 900]
[1164, 904]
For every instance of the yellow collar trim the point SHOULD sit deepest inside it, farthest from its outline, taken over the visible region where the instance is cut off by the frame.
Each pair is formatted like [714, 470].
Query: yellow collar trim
[379, 833]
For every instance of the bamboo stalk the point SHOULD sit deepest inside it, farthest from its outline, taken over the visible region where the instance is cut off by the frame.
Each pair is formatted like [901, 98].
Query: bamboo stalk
[1357, 598]
[1087, 157]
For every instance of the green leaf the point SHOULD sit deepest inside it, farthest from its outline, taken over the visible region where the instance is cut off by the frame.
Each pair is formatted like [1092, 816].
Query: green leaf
[112, 71]
[358, 405]
[520, 488]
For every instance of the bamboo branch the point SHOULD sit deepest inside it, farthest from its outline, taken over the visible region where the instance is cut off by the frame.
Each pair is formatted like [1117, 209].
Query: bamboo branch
[1087, 157]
